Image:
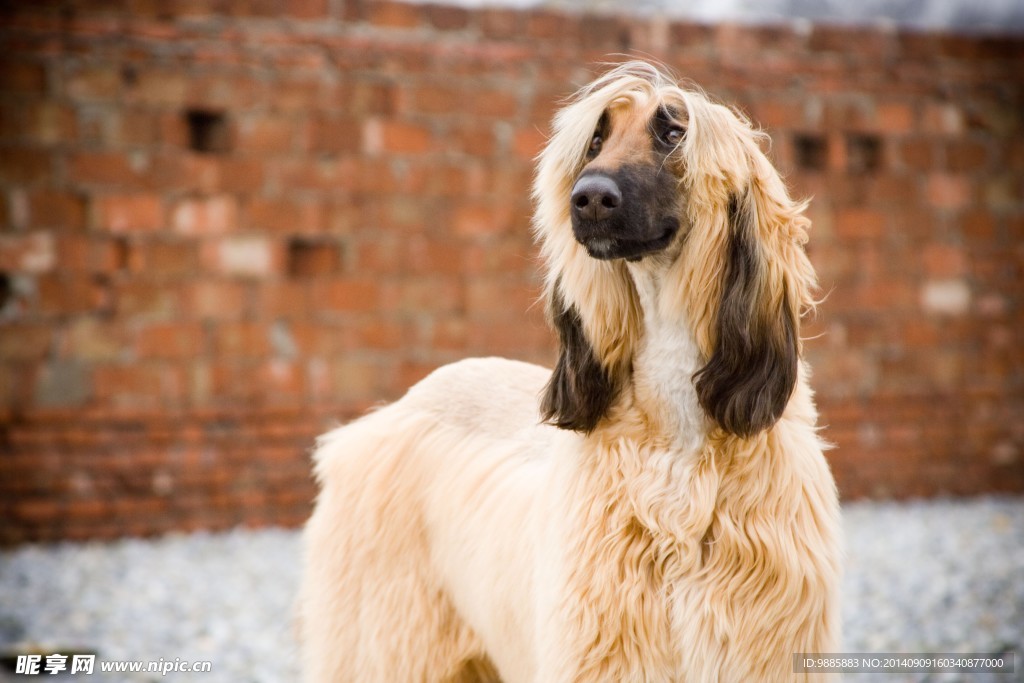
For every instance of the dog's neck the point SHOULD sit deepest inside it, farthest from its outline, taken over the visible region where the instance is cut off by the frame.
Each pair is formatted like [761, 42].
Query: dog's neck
[664, 366]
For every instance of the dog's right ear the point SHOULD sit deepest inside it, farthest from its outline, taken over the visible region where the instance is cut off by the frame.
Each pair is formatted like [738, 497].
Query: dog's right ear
[580, 390]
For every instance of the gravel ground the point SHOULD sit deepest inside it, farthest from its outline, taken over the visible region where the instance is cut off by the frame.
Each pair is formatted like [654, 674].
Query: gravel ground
[935, 576]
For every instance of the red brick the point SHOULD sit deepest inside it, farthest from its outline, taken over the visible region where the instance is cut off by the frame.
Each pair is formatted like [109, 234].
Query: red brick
[979, 224]
[22, 77]
[918, 153]
[25, 341]
[283, 299]
[285, 382]
[29, 253]
[160, 87]
[91, 254]
[170, 341]
[860, 223]
[310, 259]
[241, 340]
[104, 168]
[896, 118]
[966, 156]
[49, 208]
[491, 298]
[70, 293]
[285, 216]
[334, 135]
[500, 23]
[23, 166]
[147, 299]
[944, 260]
[942, 118]
[206, 215]
[164, 259]
[345, 295]
[945, 191]
[129, 213]
[395, 137]
[394, 14]
[490, 103]
[435, 98]
[94, 339]
[215, 299]
[422, 294]
[266, 134]
[447, 18]
[357, 378]
[481, 219]
[99, 82]
[550, 25]
[45, 123]
[113, 382]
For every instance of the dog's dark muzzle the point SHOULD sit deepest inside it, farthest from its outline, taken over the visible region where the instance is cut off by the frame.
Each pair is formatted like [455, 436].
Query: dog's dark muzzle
[625, 215]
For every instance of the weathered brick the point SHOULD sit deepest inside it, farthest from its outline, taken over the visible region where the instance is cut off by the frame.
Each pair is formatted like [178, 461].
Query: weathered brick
[944, 260]
[25, 341]
[244, 255]
[946, 191]
[860, 223]
[216, 299]
[164, 259]
[170, 341]
[266, 135]
[480, 219]
[24, 165]
[22, 77]
[241, 340]
[345, 294]
[129, 213]
[285, 216]
[394, 137]
[394, 14]
[948, 296]
[30, 253]
[206, 215]
[105, 168]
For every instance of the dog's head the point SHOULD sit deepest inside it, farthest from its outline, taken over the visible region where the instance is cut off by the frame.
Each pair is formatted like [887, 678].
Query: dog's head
[639, 168]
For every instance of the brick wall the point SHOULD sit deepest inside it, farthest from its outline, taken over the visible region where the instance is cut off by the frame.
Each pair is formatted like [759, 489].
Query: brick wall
[224, 225]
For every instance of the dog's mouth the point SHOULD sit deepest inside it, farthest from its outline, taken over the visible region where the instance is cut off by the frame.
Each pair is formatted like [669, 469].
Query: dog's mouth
[607, 248]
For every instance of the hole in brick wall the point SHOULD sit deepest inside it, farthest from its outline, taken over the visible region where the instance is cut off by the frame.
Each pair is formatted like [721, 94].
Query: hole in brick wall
[811, 152]
[864, 153]
[129, 75]
[6, 290]
[208, 131]
[308, 258]
[120, 252]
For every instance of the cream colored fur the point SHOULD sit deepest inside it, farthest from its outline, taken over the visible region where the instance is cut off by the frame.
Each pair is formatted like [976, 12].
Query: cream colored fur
[457, 537]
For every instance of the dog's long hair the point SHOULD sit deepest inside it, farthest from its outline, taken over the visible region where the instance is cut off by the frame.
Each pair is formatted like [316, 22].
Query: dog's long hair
[657, 507]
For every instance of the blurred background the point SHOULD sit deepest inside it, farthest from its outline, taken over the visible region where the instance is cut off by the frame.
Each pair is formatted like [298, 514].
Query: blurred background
[227, 224]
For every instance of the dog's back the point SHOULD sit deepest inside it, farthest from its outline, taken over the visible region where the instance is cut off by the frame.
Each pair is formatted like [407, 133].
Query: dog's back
[407, 528]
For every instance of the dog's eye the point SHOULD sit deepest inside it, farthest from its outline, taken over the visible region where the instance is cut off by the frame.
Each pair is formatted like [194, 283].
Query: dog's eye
[673, 136]
[595, 144]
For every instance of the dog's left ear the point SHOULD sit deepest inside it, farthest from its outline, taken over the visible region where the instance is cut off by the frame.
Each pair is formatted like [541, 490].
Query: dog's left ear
[580, 390]
[750, 375]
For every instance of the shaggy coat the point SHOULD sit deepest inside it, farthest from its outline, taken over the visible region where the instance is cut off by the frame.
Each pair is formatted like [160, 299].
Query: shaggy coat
[657, 508]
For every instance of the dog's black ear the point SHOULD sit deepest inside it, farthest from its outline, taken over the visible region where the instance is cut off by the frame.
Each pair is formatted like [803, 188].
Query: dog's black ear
[580, 390]
[750, 376]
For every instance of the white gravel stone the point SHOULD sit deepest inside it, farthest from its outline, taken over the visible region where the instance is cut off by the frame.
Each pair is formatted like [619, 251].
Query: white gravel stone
[925, 576]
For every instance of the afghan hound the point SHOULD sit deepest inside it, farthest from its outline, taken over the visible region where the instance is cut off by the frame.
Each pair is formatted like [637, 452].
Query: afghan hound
[657, 507]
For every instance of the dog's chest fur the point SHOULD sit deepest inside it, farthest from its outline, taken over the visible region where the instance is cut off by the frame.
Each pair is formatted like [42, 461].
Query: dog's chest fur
[668, 357]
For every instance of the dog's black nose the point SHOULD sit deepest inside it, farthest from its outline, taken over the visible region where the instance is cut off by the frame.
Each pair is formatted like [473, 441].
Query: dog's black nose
[595, 197]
